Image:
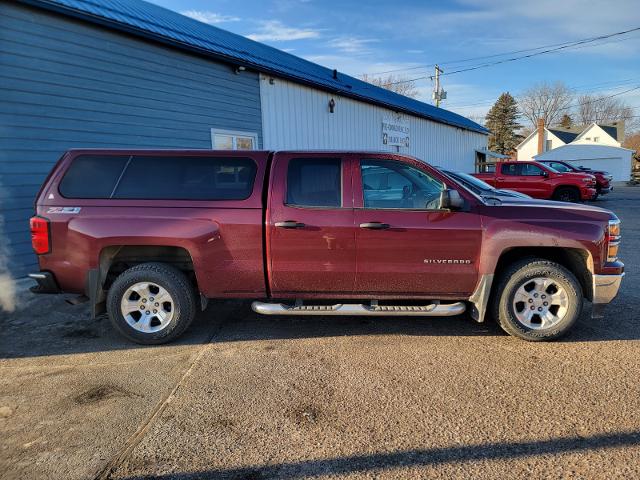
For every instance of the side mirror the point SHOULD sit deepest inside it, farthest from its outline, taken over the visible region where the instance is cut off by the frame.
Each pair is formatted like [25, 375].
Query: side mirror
[451, 200]
[545, 173]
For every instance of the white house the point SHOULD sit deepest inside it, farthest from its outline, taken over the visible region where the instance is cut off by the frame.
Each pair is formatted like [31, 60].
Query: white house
[597, 146]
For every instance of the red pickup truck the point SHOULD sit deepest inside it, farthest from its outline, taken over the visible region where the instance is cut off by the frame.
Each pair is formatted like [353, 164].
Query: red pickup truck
[541, 181]
[152, 235]
[603, 179]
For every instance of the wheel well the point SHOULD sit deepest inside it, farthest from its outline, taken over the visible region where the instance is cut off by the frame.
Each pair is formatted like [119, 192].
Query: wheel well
[566, 187]
[116, 259]
[578, 262]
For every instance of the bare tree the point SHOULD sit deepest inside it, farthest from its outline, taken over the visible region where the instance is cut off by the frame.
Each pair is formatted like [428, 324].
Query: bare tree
[395, 83]
[602, 109]
[545, 101]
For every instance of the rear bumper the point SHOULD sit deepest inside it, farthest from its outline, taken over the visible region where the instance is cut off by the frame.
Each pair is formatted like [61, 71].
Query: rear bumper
[46, 283]
[605, 288]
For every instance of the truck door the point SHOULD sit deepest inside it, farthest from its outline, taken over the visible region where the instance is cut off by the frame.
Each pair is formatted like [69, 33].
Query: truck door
[534, 181]
[406, 245]
[310, 225]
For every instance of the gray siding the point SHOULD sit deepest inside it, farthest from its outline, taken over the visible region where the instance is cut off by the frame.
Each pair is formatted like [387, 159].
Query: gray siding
[66, 84]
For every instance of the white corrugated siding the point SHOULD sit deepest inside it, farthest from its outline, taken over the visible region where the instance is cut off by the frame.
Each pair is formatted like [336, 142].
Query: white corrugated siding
[615, 160]
[297, 117]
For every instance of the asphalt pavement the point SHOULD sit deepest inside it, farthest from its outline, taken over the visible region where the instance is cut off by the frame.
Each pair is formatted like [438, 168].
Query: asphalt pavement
[249, 397]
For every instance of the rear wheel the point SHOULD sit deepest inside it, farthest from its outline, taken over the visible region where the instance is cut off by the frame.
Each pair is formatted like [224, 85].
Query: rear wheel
[151, 303]
[537, 300]
[567, 194]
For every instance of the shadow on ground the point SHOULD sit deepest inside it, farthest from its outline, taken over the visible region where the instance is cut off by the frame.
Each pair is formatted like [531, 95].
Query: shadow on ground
[412, 458]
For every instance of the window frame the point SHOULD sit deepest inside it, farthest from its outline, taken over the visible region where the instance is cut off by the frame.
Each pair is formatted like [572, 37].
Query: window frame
[343, 162]
[234, 134]
[358, 169]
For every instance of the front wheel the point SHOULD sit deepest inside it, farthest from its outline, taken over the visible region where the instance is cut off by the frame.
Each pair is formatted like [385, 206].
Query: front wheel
[151, 303]
[537, 300]
[567, 194]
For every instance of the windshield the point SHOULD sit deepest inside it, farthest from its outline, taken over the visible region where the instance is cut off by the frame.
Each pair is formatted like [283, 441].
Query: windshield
[559, 167]
[470, 181]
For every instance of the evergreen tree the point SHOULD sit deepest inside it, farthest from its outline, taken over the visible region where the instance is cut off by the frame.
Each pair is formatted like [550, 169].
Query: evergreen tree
[566, 121]
[502, 121]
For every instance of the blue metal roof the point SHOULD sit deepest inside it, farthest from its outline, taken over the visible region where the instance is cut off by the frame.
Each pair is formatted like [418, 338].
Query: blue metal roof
[157, 23]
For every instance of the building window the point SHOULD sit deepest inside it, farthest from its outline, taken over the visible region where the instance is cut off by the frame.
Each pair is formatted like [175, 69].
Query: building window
[596, 139]
[232, 140]
[548, 145]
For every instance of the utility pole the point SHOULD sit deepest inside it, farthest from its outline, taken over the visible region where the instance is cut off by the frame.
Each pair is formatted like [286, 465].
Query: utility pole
[438, 93]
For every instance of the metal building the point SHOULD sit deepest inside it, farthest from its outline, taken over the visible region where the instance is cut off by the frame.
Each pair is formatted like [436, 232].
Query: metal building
[130, 74]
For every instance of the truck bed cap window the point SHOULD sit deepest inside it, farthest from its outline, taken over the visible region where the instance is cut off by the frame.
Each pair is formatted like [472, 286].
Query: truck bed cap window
[159, 178]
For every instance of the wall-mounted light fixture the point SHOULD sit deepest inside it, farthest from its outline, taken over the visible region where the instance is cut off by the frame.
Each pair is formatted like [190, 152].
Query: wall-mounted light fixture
[332, 105]
[272, 81]
[239, 69]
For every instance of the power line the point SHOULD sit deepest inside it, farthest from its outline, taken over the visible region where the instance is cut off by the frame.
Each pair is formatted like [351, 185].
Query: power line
[547, 49]
[578, 88]
[599, 99]
[543, 52]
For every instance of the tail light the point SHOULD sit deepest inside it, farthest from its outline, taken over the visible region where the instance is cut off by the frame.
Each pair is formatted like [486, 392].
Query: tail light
[613, 240]
[40, 235]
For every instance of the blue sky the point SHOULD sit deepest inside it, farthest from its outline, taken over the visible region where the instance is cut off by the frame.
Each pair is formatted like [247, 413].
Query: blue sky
[378, 36]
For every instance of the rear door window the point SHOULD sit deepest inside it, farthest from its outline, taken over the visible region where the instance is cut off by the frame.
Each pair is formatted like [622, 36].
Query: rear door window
[159, 178]
[314, 182]
[92, 176]
[510, 169]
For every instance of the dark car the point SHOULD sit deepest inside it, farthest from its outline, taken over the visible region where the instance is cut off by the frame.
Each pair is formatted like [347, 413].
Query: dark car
[603, 179]
[481, 188]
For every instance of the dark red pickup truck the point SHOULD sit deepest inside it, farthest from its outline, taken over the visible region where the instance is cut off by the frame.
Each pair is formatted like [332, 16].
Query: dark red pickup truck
[151, 235]
[540, 181]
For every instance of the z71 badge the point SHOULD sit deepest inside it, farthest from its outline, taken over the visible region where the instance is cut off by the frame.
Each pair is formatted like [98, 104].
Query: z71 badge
[64, 210]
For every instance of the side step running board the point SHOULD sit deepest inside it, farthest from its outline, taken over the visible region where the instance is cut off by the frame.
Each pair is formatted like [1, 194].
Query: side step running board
[431, 310]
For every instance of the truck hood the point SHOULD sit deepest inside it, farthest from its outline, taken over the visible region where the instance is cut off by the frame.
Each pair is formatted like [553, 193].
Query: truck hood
[521, 203]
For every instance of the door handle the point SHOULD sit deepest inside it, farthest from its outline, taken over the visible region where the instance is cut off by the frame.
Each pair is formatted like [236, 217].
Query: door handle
[290, 224]
[375, 225]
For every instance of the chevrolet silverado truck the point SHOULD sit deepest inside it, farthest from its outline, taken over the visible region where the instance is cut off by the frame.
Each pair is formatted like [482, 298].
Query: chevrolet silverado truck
[541, 181]
[151, 235]
[603, 179]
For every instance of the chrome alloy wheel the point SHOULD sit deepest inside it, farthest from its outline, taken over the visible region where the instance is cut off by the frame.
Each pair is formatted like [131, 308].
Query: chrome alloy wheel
[147, 307]
[540, 303]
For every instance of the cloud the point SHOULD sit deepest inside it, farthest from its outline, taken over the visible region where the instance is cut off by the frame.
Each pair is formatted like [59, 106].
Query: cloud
[275, 31]
[211, 18]
[353, 45]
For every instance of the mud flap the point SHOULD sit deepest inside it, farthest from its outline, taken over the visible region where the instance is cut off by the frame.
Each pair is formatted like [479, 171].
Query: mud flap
[93, 289]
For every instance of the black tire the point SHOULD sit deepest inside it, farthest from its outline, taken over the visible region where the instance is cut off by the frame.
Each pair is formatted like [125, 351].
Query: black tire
[595, 197]
[183, 305]
[516, 276]
[567, 194]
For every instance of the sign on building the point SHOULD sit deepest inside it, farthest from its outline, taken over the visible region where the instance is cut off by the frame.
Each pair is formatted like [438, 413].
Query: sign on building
[395, 132]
